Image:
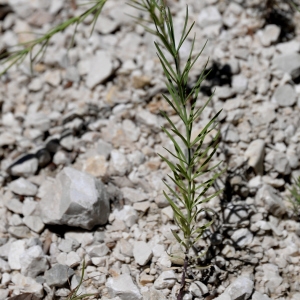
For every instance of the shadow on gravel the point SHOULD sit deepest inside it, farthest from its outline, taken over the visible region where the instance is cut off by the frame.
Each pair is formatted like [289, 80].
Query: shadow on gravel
[217, 75]
[279, 13]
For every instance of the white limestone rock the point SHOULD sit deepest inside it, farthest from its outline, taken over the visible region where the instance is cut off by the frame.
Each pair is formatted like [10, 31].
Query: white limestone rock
[243, 237]
[285, 95]
[122, 286]
[28, 285]
[288, 63]
[127, 214]
[33, 261]
[165, 280]
[209, 16]
[23, 187]
[134, 195]
[255, 154]
[269, 34]
[268, 198]
[75, 199]
[17, 248]
[101, 67]
[25, 169]
[119, 163]
[241, 288]
[34, 223]
[142, 253]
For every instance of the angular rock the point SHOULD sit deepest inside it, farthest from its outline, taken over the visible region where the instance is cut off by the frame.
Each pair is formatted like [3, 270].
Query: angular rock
[33, 261]
[134, 195]
[269, 35]
[142, 253]
[23, 187]
[239, 83]
[101, 68]
[120, 163]
[149, 119]
[198, 289]
[224, 92]
[75, 199]
[122, 286]
[285, 95]
[127, 214]
[15, 205]
[58, 275]
[73, 259]
[241, 288]
[98, 250]
[281, 163]
[67, 245]
[17, 248]
[165, 280]
[255, 154]
[106, 25]
[289, 47]
[236, 213]
[56, 6]
[83, 238]
[25, 169]
[53, 77]
[259, 296]
[271, 277]
[268, 198]
[209, 16]
[103, 148]
[126, 248]
[28, 285]
[34, 223]
[38, 120]
[61, 158]
[243, 237]
[288, 63]
[19, 231]
[96, 166]
[154, 294]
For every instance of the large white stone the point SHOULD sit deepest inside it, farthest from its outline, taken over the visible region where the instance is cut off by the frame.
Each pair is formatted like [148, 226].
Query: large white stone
[23, 187]
[269, 35]
[255, 154]
[123, 287]
[142, 253]
[241, 288]
[25, 169]
[243, 237]
[33, 261]
[119, 163]
[76, 199]
[101, 68]
[28, 285]
[17, 248]
[209, 16]
[285, 95]
[269, 198]
[288, 63]
[165, 280]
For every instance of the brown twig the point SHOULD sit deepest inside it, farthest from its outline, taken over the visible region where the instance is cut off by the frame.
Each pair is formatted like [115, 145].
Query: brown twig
[74, 4]
[183, 281]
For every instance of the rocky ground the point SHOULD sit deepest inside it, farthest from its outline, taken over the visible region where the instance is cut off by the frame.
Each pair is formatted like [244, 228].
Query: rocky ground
[81, 180]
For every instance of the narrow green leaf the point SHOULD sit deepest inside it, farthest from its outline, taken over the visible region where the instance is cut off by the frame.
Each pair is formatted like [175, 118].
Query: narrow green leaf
[180, 241]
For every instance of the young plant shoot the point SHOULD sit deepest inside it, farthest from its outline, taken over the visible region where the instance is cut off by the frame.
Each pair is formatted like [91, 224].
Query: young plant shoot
[191, 160]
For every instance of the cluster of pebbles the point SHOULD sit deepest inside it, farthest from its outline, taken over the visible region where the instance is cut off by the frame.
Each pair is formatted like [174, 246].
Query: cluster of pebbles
[80, 177]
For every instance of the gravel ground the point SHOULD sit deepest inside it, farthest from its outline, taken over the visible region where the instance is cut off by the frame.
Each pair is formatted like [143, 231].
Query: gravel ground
[80, 178]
